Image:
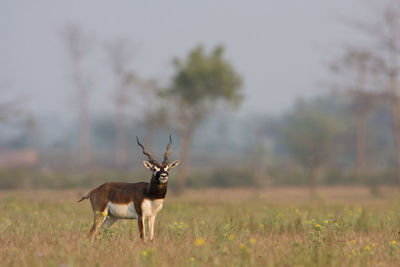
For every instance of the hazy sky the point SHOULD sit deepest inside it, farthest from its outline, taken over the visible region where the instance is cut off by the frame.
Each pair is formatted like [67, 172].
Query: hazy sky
[280, 47]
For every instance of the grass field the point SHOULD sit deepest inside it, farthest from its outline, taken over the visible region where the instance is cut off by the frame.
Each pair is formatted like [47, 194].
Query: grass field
[237, 227]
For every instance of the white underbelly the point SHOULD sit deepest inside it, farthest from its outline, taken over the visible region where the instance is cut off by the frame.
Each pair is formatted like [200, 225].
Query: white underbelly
[123, 211]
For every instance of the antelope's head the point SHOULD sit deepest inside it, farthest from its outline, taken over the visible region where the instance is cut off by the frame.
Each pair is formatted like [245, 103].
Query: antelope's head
[160, 171]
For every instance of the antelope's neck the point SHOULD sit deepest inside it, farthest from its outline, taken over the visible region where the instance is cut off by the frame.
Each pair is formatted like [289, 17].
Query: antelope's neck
[157, 190]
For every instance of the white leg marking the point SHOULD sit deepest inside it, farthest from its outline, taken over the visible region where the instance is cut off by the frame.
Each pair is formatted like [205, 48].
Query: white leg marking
[151, 227]
[144, 228]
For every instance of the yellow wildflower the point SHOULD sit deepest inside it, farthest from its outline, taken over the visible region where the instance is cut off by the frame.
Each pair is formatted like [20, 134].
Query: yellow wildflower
[199, 242]
[367, 248]
[394, 242]
[231, 237]
[144, 253]
[326, 221]
[242, 246]
[252, 240]
[104, 213]
[192, 259]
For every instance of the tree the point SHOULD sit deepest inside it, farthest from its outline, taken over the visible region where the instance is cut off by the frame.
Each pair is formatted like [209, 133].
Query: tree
[153, 112]
[200, 82]
[390, 41]
[360, 79]
[310, 136]
[120, 55]
[78, 45]
[384, 33]
[145, 101]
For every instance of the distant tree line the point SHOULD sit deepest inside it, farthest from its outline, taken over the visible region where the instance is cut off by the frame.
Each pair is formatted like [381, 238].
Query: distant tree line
[350, 135]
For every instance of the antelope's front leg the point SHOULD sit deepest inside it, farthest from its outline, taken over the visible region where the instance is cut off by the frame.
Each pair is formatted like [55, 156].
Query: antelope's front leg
[142, 228]
[151, 227]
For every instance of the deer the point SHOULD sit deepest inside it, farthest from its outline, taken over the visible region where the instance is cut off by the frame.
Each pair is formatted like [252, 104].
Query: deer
[112, 201]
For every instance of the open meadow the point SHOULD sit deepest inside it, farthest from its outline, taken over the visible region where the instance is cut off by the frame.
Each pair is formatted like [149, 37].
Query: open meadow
[234, 227]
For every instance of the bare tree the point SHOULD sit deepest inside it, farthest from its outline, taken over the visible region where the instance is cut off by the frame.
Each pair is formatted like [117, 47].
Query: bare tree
[78, 45]
[391, 42]
[120, 54]
[385, 34]
[359, 71]
[145, 103]
[154, 115]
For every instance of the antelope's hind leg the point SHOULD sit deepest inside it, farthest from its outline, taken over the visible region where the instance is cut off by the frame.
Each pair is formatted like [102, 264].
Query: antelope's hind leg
[99, 218]
[110, 220]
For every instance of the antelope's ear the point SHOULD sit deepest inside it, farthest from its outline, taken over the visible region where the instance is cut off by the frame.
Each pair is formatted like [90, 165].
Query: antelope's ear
[148, 165]
[172, 165]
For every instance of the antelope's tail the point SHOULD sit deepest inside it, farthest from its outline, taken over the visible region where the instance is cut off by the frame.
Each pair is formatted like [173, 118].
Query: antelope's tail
[84, 197]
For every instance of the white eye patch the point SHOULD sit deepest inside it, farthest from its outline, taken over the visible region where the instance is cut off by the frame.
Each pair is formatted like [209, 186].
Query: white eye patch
[156, 169]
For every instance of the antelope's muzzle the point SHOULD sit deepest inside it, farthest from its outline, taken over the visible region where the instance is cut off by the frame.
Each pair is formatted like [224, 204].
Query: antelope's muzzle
[163, 177]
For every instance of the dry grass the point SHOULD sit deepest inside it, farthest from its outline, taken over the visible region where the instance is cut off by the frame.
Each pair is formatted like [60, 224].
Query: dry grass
[240, 227]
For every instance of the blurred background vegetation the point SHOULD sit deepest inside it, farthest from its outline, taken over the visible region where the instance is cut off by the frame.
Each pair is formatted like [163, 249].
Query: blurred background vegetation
[348, 134]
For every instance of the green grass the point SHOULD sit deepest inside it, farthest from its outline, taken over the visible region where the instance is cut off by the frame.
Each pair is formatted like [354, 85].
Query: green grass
[276, 227]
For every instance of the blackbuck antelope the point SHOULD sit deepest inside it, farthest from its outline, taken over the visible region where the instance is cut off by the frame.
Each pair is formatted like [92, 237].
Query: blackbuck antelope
[113, 201]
